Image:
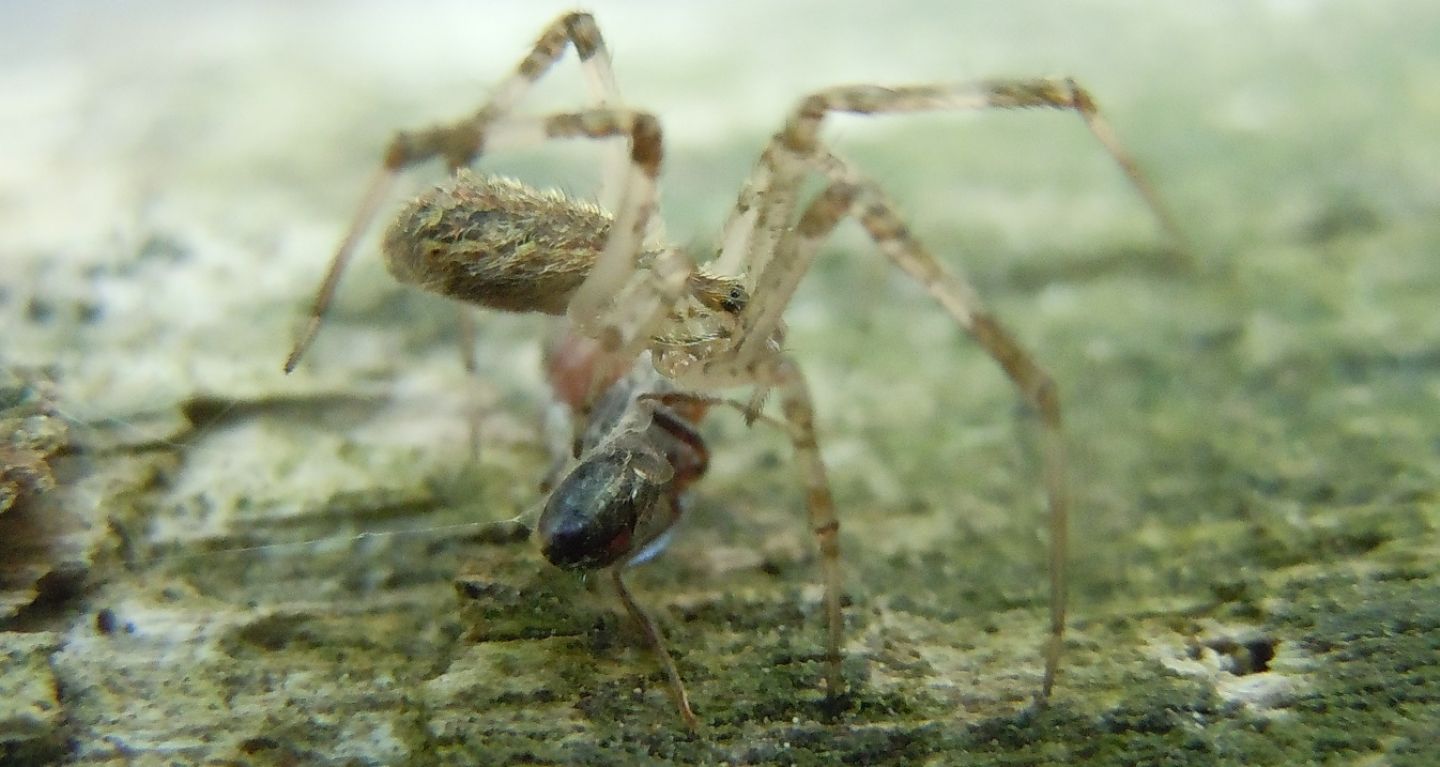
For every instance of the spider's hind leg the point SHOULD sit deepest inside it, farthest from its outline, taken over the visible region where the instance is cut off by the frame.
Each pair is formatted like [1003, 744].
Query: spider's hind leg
[461, 142]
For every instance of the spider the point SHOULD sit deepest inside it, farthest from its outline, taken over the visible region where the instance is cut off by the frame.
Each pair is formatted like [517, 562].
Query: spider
[497, 243]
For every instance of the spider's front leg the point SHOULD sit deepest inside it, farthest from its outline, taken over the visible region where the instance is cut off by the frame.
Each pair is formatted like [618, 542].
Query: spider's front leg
[755, 241]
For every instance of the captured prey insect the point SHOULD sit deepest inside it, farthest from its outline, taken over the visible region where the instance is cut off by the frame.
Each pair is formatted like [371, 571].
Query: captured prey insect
[497, 243]
[638, 452]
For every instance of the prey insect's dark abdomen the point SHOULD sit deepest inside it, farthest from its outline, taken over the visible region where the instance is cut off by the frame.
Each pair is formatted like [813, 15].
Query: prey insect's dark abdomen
[590, 519]
[494, 242]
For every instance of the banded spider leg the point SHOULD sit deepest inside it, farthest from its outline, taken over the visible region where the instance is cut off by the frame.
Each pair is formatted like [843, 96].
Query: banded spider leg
[772, 256]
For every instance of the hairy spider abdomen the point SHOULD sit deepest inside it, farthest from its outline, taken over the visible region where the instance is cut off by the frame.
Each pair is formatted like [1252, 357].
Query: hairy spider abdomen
[497, 243]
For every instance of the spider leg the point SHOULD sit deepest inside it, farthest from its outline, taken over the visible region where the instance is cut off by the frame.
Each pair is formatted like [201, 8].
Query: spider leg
[760, 242]
[460, 143]
[799, 410]
[801, 132]
[735, 236]
[779, 372]
[850, 195]
[465, 319]
[754, 237]
[615, 304]
[618, 304]
[615, 289]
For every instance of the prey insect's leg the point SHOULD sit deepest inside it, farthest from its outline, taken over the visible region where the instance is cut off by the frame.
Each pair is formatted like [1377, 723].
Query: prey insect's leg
[657, 643]
[460, 143]
[849, 195]
[678, 398]
[691, 463]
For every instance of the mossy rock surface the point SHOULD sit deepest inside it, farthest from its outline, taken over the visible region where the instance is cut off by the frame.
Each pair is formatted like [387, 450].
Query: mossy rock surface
[296, 570]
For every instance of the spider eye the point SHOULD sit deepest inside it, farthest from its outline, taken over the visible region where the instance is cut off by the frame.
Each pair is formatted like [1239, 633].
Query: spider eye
[734, 302]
